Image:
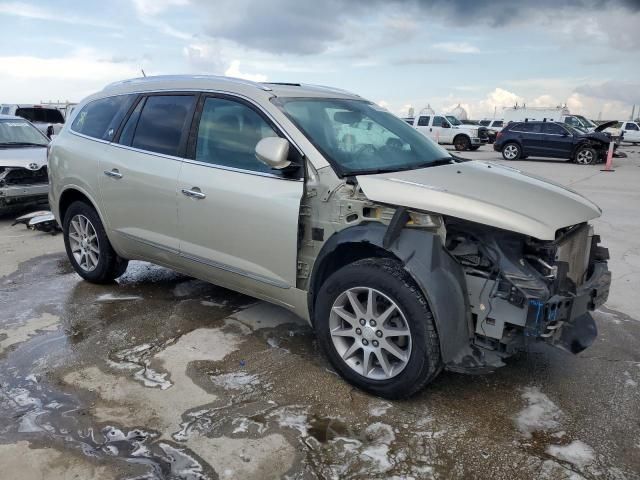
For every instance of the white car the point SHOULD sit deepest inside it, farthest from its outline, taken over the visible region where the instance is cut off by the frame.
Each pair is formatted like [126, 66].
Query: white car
[630, 132]
[49, 120]
[448, 130]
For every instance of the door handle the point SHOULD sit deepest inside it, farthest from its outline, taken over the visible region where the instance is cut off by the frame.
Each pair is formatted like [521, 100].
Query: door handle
[194, 193]
[113, 173]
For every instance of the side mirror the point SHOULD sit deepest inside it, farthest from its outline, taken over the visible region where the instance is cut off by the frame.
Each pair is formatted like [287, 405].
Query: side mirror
[273, 152]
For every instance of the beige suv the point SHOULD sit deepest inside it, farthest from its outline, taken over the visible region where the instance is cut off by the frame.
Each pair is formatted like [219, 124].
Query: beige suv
[405, 259]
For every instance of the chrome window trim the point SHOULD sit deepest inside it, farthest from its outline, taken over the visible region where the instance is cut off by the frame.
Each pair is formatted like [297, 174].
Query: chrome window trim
[240, 170]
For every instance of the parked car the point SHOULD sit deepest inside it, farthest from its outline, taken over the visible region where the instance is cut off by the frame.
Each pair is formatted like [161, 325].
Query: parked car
[519, 140]
[448, 130]
[547, 114]
[49, 120]
[404, 259]
[23, 164]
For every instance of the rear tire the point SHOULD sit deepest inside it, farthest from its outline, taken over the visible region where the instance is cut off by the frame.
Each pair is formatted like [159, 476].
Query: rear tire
[511, 151]
[586, 156]
[88, 247]
[461, 143]
[404, 348]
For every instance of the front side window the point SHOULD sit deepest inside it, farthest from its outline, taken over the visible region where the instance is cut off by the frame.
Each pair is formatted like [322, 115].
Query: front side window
[553, 129]
[100, 118]
[453, 120]
[437, 121]
[485, 123]
[228, 134]
[498, 123]
[5, 110]
[358, 137]
[163, 123]
[17, 132]
[423, 121]
[632, 126]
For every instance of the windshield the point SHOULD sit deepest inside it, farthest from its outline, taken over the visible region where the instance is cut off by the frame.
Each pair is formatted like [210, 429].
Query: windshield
[358, 137]
[586, 122]
[17, 132]
[453, 120]
[40, 115]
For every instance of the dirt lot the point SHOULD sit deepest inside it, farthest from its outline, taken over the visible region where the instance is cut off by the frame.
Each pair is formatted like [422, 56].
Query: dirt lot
[162, 376]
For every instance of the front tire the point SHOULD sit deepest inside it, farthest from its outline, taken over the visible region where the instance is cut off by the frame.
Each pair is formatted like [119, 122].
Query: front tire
[376, 328]
[586, 156]
[461, 143]
[511, 151]
[88, 247]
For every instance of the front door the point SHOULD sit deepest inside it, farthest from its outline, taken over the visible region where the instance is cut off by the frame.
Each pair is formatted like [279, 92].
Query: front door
[557, 141]
[238, 218]
[138, 179]
[631, 132]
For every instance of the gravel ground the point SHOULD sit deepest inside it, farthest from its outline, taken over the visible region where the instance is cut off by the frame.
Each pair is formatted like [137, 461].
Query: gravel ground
[162, 376]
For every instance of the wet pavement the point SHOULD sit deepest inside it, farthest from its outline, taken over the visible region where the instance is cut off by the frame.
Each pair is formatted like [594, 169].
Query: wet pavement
[160, 376]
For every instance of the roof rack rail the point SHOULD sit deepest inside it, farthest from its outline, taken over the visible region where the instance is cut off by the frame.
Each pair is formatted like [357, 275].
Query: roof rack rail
[331, 89]
[286, 84]
[154, 78]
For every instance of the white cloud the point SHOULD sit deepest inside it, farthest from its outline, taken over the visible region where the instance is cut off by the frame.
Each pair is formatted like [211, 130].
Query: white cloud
[234, 71]
[30, 79]
[155, 7]
[25, 10]
[456, 47]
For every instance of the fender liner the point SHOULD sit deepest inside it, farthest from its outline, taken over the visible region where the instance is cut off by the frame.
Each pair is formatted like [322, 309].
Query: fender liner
[440, 278]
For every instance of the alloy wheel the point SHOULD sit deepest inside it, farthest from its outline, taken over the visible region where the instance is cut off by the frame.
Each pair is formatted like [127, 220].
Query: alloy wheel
[84, 243]
[585, 157]
[510, 152]
[370, 333]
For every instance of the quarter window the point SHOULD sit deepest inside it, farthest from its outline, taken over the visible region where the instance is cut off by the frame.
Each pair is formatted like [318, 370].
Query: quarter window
[228, 134]
[162, 123]
[100, 118]
[423, 121]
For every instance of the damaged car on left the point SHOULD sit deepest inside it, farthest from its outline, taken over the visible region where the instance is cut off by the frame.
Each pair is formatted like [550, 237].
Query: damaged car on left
[23, 165]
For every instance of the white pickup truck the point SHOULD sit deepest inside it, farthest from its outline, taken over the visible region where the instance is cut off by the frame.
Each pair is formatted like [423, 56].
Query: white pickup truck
[448, 130]
[628, 131]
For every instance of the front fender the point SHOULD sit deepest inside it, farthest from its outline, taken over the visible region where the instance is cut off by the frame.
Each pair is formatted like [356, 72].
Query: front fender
[438, 275]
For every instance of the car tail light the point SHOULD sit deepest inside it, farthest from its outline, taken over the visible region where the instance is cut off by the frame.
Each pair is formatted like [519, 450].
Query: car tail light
[498, 135]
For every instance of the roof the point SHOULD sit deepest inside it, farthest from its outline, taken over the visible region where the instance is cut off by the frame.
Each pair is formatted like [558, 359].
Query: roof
[220, 83]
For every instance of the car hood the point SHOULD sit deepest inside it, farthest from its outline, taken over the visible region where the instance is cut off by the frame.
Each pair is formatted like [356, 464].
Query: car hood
[486, 193]
[32, 158]
[604, 126]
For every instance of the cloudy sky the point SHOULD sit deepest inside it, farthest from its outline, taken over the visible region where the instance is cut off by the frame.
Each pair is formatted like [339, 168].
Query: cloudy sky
[399, 53]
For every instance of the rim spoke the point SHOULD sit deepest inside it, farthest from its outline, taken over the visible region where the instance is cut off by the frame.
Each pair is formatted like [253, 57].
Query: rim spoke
[342, 332]
[370, 303]
[393, 350]
[396, 332]
[93, 258]
[346, 316]
[94, 249]
[355, 304]
[384, 363]
[384, 316]
[350, 351]
[366, 361]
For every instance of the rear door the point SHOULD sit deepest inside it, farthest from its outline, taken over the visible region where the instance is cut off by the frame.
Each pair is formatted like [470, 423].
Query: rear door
[238, 218]
[138, 179]
[529, 135]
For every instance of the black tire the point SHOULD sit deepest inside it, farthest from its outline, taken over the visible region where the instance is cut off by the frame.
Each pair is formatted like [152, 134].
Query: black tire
[109, 265]
[474, 148]
[461, 143]
[391, 279]
[511, 151]
[586, 156]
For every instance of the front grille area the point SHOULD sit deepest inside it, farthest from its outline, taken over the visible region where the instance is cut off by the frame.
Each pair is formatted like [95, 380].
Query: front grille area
[483, 132]
[23, 176]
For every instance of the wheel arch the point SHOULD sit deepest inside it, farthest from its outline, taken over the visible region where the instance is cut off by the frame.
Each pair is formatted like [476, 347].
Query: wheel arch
[422, 254]
[462, 134]
[74, 194]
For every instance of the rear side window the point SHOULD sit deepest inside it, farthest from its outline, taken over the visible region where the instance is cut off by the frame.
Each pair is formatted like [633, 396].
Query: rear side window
[41, 115]
[100, 118]
[423, 121]
[5, 110]
[163, 122]
[528, 127]
[485, 123]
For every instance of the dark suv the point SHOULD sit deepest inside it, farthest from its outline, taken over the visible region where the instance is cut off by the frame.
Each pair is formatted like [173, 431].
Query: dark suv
[518, 140]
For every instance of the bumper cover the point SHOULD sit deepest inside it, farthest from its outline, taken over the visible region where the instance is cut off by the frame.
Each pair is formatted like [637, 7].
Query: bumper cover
[18, 194]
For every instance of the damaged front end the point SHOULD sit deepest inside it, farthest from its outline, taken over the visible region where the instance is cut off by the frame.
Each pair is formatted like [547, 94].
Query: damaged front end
[521, 289]
[20, 186]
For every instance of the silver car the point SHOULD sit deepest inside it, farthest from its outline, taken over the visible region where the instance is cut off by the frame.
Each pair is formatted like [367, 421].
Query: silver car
[405, 259]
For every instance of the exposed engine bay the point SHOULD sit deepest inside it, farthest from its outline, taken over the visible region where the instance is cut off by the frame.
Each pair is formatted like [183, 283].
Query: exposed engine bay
[521, 289]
